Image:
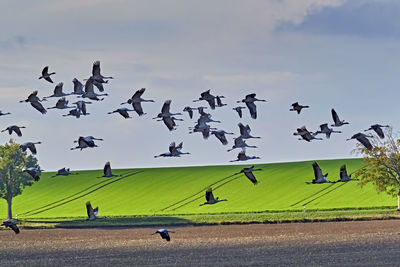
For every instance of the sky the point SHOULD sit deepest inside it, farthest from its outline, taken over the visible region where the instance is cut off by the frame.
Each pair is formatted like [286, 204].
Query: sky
[322, 53]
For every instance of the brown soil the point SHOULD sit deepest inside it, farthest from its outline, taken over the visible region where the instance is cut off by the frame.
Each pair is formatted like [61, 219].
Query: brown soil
[328, 243]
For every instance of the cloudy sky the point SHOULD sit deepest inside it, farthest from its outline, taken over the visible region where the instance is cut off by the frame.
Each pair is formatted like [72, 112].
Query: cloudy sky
[323, 53]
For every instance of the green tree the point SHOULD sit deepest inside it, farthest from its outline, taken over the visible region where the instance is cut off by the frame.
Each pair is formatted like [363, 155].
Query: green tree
[382, 165]
[13, 179]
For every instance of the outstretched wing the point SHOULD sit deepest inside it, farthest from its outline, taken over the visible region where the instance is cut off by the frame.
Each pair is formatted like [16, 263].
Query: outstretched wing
[139, 93]
[138, 108]
[96, 68]
[89, 209]
[253, 109]
[209, 195]
[251, 177]
[166, 106]
[335, 116]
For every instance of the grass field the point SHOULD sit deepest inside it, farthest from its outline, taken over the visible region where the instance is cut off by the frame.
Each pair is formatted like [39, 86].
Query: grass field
[180, 191]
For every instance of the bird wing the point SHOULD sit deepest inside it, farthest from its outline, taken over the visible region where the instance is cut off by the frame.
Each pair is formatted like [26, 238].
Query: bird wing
[89, 210]
[205, 93]
[239, 111]
[45, 71]
[138, 108]
[211, 102]
[250, 96]
[343, 172]
[98, 85]
[58, 89]
[221, 137]
[251, 177]
[32, 148]
[14, 227]
[96, 68]
[253, 109]
[169, 122]
[138, 93]
[379, 132]
[363, 140]
[38, 106]
[48, 79]
[242, 129]
[107, 169]
[124, 113]
[166, 106]
[78, 86]
[17, 130]
[335, 116]
[209, 195]
[89, 85]
[317, 171]
[171, 147]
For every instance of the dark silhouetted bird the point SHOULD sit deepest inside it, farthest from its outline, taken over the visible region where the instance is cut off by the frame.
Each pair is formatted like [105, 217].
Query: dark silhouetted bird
[336, 120]
[249, 101]
[220, 134]
[123, 112]
[319, 178]
[378, 130]
[344, 177]
[29, 145]
[164, 233]
[11, 224]
[46, 75]
[326, 130]
[239, 111]
[57, 91]
[136, 101]
[91, 213]
[297, 107]
[64, 172]
[210, 198]
[34, 172]
[248, 171]
[243, 157]
[14, 128]
[363, 139]
[174, 151]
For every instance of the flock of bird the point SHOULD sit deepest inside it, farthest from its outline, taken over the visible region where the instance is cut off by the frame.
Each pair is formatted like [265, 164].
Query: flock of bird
[97, 80]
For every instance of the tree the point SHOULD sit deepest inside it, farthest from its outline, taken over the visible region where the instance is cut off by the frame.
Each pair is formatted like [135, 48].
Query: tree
[13, 179]
[382, 165]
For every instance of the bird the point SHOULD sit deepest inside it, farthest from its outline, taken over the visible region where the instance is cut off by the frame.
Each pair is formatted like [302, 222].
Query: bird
[326, 130]
[319, 178]
[245, 131]
[136, 101]
[189, 110]
[46, 75]
[64, 172]
[248, 171]
[123, 112]
[336, 120]
[85, 142]
[81, 106]
[164, 233]
[34, 172]
[297, 107]
[107, 170]
[210, 198]
[306, 135]
[62, 103]
[78, 87]
[363, 139]
[96, 73]
[165, 110]
[14, 128]
[170, 122]
[243, 157]
[57, 91]
[89, 91]
[249, 101]
[203, 128]
[378, 129]
[208, 97]
[174, 151]
[239, 143]
[29, 145]
[239, 110]
[220, 134]
[91, 213]
[344, 177]
[219, 101]
[11, 224]
[74, 112]
[2, 113]
[33, 98]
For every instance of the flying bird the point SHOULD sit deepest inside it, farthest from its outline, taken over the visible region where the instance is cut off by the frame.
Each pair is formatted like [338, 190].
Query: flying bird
[136, 101]
[57, 91]
[174, 151]
[220, 134]
[326, 130]
[239, 111]
[96, 73]
[14, 128]
[239, 143]
[249, 101]
[306, 135]
[85, 142]
[219, 101]
[319, 178]
[248, 171]
[189, 110]
[34, 172]
[12, 225]
[363, 139]
[107, 170]
[62, 103]
[33, 98]
[74, 112]
[297, 107]
[64, 172]
[39, 107]
[243, 157]
[336, 120]
[89, 91]
[78, 87]
[2, 114]
[344, 177]
[209, 98]
[29, 145]
[46, 75]
[378, 129]
[164, 233]
[123, 112]
[245, 131]
[210, 198]
[81, 106]
[91, 213]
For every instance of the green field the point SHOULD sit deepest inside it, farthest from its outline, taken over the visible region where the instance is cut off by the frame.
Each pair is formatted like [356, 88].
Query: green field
[180, 191]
